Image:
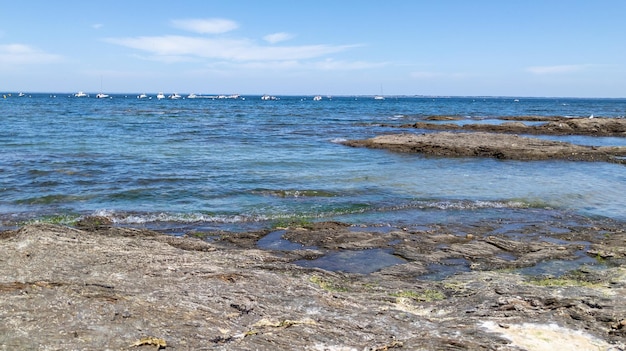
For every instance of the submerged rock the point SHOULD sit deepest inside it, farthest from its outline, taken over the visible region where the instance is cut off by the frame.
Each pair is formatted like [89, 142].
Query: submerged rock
[500, 146]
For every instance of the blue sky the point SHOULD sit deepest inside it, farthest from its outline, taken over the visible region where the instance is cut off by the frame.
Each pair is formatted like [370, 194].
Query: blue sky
[341, 47]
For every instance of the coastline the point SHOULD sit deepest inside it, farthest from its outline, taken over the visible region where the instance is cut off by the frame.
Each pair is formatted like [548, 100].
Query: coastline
[102, 287]
[494, 284]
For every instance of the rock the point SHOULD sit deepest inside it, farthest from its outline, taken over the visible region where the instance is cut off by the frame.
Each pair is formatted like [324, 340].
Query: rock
[553, 126]
[67, 288]
[500, 146]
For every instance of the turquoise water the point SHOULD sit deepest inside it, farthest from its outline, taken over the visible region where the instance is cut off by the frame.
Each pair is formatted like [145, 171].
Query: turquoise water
[244, 163]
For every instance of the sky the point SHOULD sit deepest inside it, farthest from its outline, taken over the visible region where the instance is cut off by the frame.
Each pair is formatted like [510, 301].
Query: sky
[543, 48]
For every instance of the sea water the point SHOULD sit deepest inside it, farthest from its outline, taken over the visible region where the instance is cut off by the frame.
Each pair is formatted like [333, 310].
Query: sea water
[237, 164]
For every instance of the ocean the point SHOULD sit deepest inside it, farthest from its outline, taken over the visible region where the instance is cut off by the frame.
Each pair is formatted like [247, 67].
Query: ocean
[246, 163]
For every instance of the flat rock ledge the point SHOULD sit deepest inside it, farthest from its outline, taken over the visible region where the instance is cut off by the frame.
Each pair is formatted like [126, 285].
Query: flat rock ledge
[611, 127]
[63, 288]
[495, 145]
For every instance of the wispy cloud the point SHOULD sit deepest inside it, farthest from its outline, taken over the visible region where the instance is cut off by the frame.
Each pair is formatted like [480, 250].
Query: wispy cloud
[97, 25]
[558, 69]
[20, 54]
[224, 49]
[277, 37]
[206, 26]
[229, 52]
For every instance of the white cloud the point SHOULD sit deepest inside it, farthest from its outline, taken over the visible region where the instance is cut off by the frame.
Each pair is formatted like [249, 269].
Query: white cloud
[206, 26]
[97, 25]
[224, 49]
[14, 54]
[556, 69]
[277, 37]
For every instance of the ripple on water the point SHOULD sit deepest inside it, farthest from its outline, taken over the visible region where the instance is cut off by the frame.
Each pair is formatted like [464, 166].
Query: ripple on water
[354, 261]
[275, 241]
[446, 268]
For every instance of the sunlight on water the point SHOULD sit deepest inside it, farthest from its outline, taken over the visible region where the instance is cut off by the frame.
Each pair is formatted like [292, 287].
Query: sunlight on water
[220, 162]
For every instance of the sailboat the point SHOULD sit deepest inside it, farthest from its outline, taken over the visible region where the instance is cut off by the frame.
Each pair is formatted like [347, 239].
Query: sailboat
[380, 97]
[101, 95]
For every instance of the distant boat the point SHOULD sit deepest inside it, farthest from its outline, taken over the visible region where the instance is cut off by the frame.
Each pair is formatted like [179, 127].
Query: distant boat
[142, 96]
[174, 96]
[101, 95]
[380, 97]
[21, 94]
[268, 97]
[192, 96]
[317, 98]
[160, 96]
[80, 94]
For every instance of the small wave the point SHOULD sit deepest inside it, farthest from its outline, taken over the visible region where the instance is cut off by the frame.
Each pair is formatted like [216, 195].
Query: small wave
[397, 117]
[146, 218]
[339, 140]
[295, 193]
[460, 205]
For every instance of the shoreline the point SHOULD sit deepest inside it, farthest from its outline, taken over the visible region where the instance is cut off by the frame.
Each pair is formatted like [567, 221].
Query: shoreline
[492, 284]
[109, 288]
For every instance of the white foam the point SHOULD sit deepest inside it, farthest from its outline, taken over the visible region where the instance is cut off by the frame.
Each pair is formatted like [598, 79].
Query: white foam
[547, 337]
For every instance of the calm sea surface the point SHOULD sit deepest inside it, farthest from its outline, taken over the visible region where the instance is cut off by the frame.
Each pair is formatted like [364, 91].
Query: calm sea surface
[238, 164]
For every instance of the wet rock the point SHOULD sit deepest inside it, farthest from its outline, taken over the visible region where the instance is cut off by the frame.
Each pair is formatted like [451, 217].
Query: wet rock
[499, 146]
[68, 288]
[94, 222]
[552, 126]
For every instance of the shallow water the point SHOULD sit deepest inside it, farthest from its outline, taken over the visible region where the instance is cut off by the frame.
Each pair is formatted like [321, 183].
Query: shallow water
[354, 261]
[203, 164]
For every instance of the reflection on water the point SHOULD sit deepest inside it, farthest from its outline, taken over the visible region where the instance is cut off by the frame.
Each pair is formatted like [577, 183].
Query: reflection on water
[275, 241]
[361, 261]
[445, 269]
[557, 268]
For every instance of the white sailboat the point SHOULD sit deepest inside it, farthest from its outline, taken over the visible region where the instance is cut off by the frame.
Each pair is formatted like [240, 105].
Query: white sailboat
[380, 97]
[101, 95]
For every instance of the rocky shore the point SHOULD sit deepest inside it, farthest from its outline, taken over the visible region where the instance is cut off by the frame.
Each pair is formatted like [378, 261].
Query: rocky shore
[107, 288]
[496, 141]
[613, 127]
[555, 283]
[500, 146]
